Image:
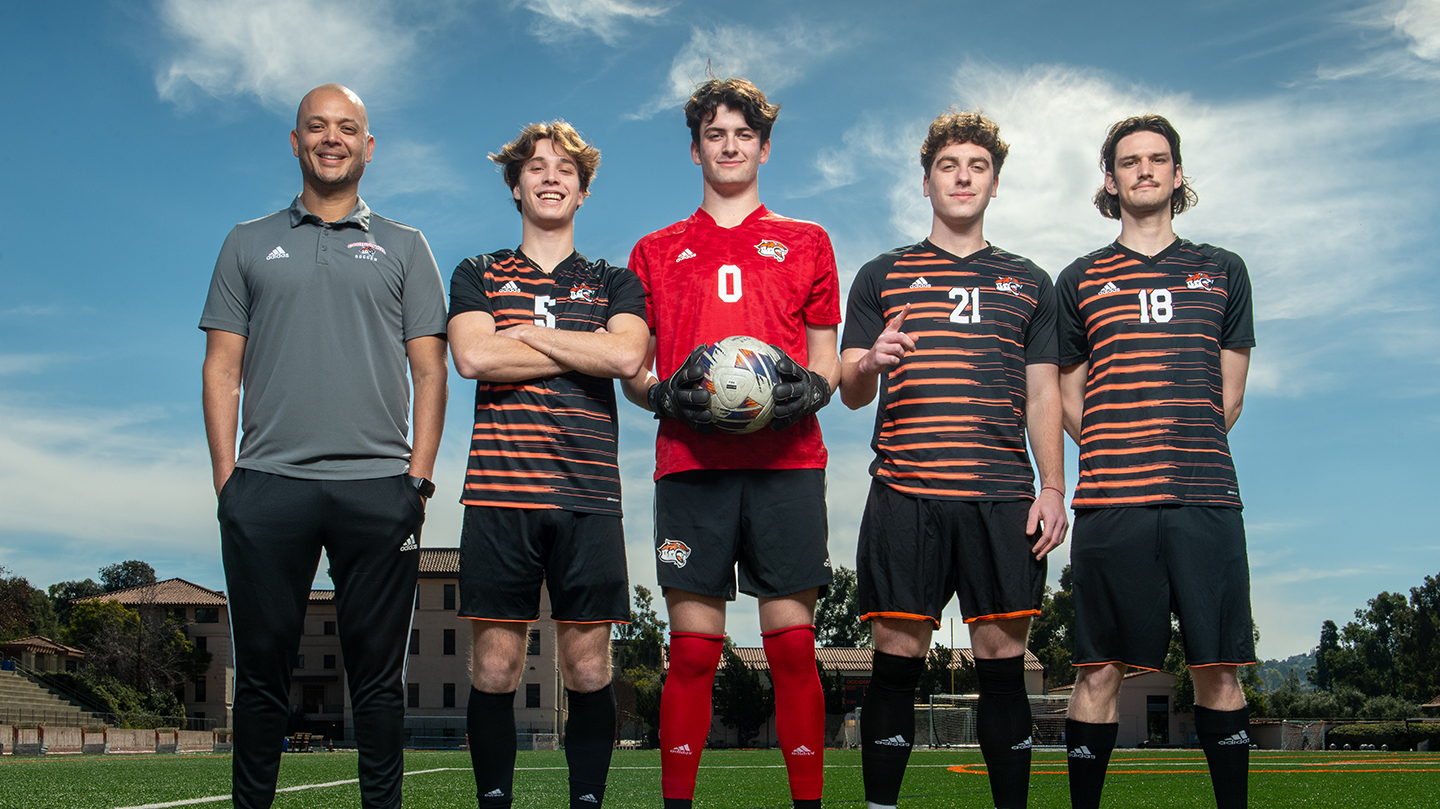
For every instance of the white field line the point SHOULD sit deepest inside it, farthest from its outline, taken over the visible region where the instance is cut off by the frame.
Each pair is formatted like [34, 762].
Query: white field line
[301, 788]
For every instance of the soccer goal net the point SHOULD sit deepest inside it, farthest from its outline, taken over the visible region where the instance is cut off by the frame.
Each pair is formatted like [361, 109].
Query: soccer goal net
[949, 721]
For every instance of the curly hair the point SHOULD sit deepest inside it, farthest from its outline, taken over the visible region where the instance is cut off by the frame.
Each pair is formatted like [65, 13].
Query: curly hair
[737, 94]
[512, 156]
[1182, 199]
[957, 126]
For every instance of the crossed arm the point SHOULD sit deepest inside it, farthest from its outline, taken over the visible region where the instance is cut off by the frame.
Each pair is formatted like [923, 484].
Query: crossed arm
[526, 351]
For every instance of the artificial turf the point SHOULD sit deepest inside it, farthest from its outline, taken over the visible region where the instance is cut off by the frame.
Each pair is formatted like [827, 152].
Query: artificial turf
[732, 779]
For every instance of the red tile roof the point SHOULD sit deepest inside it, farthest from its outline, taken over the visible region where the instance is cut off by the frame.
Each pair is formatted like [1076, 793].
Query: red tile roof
[167, 593]
[41, 645]
[440, 560]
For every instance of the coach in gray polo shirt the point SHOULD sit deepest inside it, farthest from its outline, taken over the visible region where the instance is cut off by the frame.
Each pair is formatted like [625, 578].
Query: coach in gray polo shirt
[315, 313]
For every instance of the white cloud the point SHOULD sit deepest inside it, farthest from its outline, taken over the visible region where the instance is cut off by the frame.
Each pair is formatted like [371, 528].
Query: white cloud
[409, 167]
[1419, 22]
[276, 50]
[29, 363]
[771, 61]
[605, 19]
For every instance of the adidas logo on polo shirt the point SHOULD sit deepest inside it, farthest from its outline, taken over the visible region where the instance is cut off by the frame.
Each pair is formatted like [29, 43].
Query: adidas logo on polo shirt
[1081, 752]
[802, 750]
[894, 741]
[1239, 738]
[409, 544]
[1108, 288]
[683, 750]
[510, 288]
[278, 252]
[920, 283]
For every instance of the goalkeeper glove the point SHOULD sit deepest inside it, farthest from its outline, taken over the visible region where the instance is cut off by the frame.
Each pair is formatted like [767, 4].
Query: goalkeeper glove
[681, 397]
[800, 393]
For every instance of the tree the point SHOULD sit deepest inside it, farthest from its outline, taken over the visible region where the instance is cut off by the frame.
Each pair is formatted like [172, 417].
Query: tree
[62, 593]
[837, 614]
[1418, 655]
[24, 610]
[1369, 646]
[644, 636]
[121, 645]
[1052, 635]
[131, 573]
[1329, 642]
[741, 698]
[939, 678]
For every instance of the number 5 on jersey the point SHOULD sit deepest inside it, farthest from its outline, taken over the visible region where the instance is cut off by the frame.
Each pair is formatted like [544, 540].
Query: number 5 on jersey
[543, 315]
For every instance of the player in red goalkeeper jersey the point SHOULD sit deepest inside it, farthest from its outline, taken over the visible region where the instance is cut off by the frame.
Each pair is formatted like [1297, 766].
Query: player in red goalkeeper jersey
[735, 268]
[1155, 339]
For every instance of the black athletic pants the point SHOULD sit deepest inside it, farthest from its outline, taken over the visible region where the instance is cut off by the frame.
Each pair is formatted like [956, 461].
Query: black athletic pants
[271, 531]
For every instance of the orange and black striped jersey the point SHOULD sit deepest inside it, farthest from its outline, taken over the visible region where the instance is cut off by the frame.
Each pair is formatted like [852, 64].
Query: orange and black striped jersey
[1153, 429]
[549, 442]
[950, 424]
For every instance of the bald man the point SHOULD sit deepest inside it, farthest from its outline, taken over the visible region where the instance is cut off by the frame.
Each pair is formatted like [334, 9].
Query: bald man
[316, 313]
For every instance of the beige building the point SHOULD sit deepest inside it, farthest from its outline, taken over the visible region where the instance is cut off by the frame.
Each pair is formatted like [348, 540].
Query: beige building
[210, 698]
[1147, 711]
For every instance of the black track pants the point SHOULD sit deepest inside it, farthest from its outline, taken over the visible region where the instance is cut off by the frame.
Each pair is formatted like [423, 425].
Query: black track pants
[271, 531]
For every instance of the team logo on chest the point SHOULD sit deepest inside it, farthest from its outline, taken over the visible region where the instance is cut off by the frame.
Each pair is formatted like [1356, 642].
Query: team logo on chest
[770, 248]
[1007, 284]
[582, 292]
[1199, 281]
[367, 250]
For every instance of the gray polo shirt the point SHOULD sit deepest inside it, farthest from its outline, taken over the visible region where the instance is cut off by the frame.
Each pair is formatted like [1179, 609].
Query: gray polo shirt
[326, 309]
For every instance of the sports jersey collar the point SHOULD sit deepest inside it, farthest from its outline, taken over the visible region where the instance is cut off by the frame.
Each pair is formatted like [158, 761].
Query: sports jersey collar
[982, 252]
[1151, 260]
[359, 216]
[703, 217]
[568, 262]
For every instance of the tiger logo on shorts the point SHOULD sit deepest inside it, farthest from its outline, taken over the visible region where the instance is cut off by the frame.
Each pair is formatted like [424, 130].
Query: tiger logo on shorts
[674, 552]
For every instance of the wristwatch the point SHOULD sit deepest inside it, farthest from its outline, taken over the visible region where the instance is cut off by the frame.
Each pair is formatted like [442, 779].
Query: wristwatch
[423, 486]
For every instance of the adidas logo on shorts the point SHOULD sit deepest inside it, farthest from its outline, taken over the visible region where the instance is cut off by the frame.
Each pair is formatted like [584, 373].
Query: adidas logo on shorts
[683, 750]
[409, 544]
[494, 793]
[1239, 738]
[1081, 752]
[1108, 288]
[894, 741]
[920, 283]
[1025, 745]
[802, 750]
[510, 288]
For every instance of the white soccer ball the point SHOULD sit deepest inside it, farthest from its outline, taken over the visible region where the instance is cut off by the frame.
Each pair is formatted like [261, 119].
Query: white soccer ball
[741, 377]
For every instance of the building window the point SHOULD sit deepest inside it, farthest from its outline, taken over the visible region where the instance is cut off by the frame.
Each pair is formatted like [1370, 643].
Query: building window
[200, 690]
[329, 661]
[178, 614]
[414, 641]
[412, 695]
[532, 695]
[447, 697]
[449, 647]
[299, 661]
[207, 615]
[1157, 718]
[449, 596]
[329, 628]
[532, 647]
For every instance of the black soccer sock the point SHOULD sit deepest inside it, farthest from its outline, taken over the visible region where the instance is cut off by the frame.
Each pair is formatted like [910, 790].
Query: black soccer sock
[1225, 737]
[677, 803]
[1087, 750]
[1003, 727]
[490, 722]
[807, 804]
[887, 725]
[589, 738]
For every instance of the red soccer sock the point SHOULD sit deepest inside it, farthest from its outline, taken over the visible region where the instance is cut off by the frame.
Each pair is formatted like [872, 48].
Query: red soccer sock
[685, 710]
[799, 707]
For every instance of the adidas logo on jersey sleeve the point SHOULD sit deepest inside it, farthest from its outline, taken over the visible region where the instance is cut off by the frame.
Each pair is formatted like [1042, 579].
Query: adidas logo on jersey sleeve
[278, 252]
[684, 254]
[510, 288]
[920, 283]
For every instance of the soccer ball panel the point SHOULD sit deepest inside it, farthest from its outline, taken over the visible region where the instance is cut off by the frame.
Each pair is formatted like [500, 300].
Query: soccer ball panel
[740, 376]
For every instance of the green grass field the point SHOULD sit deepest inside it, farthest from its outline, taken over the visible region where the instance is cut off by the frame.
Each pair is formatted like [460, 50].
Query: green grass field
[741, 779]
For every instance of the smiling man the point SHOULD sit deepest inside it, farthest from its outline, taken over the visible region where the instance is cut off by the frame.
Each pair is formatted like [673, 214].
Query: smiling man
[1155, 339]
[543, 330]
[735, 268]
[313, 313]
[953, 508]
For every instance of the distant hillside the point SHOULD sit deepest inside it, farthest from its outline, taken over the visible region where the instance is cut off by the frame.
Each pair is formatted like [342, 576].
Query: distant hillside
[1274, 672]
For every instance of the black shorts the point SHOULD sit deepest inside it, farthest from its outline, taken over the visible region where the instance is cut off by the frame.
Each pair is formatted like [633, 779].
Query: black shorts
[769, 521]
[916, 552]
[1131, 567]
[506, 553]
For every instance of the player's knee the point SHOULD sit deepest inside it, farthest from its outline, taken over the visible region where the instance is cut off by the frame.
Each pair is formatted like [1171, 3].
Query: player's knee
[495, 672]
[586, 676]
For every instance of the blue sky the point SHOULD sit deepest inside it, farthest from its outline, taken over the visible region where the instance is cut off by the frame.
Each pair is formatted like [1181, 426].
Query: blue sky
[136, 134]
